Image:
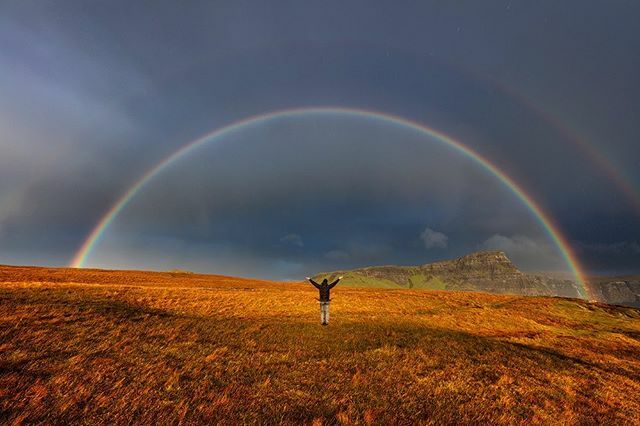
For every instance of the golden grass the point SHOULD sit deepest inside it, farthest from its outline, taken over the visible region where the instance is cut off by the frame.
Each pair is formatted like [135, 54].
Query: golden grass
[120, 347]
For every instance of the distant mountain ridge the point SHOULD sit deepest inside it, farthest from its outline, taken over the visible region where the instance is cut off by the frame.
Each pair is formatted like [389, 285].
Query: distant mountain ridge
[624, 290]
[487, 271]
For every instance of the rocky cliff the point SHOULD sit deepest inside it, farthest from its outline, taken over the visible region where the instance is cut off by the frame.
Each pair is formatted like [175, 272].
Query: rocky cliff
[617, 290]
[490, 272]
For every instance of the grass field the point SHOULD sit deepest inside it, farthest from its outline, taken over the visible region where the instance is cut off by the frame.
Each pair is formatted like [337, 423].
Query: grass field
[99, 347]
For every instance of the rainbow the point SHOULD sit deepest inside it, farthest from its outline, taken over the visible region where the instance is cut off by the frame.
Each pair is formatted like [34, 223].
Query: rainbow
[588, 149]
[107, 219]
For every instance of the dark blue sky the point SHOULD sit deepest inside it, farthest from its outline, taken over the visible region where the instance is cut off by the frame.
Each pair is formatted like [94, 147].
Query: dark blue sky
[93, 94]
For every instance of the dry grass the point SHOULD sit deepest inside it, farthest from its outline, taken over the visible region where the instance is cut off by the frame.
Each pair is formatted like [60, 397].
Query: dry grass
[170, 348]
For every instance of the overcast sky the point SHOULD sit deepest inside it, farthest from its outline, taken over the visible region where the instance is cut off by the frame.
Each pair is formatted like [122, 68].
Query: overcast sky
[94, 94]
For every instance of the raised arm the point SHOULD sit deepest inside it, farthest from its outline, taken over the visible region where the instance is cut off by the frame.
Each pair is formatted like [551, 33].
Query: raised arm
[333, 284]
[315, 284]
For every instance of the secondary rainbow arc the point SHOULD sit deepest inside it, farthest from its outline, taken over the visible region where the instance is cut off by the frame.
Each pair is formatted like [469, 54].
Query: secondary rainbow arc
[604, 164]
[545, 221]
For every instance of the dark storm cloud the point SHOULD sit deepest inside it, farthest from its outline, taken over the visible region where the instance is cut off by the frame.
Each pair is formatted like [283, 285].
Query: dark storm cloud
[92, 97]
[615, 258]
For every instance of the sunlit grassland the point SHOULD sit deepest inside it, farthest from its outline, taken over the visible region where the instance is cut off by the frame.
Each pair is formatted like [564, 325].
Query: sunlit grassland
[131, 347]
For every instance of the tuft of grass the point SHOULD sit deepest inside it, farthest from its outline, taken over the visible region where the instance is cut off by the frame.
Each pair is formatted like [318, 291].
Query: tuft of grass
[103, 347]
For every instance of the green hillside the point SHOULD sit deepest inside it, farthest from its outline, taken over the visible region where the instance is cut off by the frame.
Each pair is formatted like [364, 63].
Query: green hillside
[490, 272]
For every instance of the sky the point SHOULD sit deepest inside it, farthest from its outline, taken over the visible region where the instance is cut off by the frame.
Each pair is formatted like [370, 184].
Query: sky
[95, 94]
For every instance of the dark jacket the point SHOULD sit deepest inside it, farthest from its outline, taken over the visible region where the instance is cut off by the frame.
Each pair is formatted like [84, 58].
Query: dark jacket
[324, 288]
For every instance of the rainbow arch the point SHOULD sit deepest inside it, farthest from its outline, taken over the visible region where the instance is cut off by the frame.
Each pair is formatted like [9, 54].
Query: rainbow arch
[545, 221]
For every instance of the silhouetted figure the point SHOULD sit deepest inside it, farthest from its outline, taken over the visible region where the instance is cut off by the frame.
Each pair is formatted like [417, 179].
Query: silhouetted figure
[324, 287]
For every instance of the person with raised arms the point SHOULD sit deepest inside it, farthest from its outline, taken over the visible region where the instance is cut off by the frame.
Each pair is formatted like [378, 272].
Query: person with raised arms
[324, 288]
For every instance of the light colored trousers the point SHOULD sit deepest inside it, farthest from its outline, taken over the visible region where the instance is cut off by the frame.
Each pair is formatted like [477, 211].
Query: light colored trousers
[324, 313]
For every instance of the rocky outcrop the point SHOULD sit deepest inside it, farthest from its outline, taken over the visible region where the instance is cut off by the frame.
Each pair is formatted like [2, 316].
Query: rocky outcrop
[617, 291]
[490, 272]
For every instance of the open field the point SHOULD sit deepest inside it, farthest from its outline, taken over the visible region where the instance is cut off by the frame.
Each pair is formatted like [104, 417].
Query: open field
[120, 347]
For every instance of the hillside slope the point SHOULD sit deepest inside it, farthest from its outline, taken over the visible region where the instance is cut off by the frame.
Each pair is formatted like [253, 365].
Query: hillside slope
[490, 272]
[127, 347]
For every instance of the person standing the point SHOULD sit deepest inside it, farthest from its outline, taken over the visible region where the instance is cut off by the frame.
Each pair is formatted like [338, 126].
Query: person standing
[324, 288]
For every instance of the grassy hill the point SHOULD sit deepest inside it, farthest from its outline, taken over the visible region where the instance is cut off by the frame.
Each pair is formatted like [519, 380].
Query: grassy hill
[488, 271]
[91, 346]
[359, 280]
